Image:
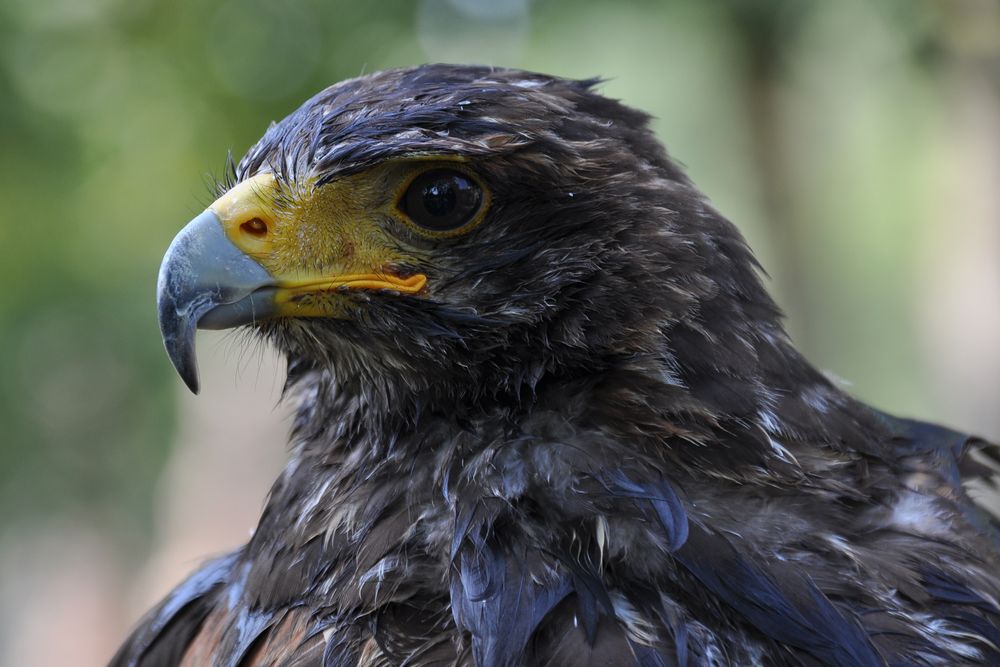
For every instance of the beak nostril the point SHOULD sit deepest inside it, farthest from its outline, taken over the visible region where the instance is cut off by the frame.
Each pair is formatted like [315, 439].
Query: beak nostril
[254, 227]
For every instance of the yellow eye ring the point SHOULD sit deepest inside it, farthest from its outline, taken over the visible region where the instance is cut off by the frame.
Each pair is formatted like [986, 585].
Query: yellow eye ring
[442, 200]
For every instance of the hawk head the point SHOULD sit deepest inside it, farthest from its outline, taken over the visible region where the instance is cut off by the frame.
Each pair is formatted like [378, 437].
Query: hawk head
[462, 230]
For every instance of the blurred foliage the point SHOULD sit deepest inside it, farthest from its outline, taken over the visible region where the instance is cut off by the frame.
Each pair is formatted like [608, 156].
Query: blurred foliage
[113, 112]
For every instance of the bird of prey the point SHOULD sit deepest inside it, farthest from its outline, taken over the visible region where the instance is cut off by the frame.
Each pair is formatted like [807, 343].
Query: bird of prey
[547, 413]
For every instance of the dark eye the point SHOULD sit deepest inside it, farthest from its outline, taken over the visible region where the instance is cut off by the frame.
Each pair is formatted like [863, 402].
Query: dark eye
[441, 200]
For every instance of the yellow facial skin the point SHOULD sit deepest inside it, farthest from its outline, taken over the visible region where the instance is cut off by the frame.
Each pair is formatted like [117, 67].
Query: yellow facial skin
[320, 241]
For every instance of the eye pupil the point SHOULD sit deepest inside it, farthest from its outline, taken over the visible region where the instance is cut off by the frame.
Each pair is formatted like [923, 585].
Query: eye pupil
[441, 199]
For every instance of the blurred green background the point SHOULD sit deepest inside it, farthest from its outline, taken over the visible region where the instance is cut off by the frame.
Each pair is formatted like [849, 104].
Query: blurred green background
[856, 143]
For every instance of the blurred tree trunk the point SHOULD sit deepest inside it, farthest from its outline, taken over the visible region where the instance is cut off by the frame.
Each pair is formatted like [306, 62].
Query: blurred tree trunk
[764, 31]
[961, 323]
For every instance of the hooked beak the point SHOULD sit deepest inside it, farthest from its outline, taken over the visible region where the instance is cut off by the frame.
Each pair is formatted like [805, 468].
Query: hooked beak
[207, 282]
[223, 269]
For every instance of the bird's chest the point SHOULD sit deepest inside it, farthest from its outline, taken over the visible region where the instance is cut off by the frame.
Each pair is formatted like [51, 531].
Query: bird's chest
[362, 558]
[451, 542]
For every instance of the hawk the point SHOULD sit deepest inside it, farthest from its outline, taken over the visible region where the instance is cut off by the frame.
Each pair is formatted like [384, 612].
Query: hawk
[546, 412]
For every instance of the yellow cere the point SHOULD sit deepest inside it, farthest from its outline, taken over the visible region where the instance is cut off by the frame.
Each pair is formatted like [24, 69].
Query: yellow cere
[246, 206]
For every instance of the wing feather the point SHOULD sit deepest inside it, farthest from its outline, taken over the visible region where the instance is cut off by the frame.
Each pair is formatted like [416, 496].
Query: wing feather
[162, 637]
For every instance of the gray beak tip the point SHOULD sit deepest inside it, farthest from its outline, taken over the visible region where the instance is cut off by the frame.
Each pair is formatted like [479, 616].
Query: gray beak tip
[189, 375]
[178, 334]
[186, 366]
